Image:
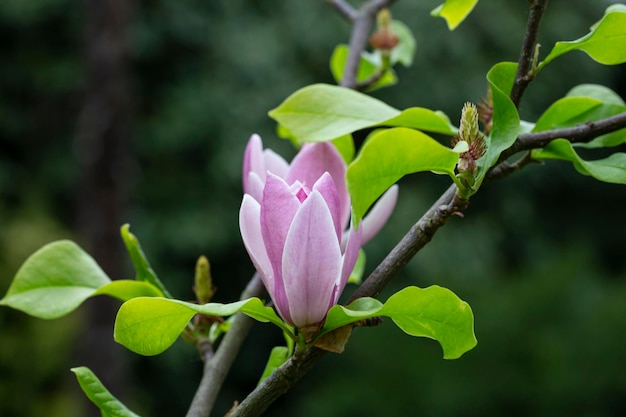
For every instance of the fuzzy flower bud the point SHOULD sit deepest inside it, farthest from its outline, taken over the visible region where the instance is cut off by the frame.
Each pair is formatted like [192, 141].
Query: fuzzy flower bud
[469, 133]
[384, 38]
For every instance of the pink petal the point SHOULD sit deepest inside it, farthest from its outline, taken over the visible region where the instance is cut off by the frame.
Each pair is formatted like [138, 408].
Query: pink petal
[278, 208]
[326, 187]
[275, 163]
[255, 186]
[311, 262]
[252, 159]
[379, 214]
[250, 227]
[312, 161]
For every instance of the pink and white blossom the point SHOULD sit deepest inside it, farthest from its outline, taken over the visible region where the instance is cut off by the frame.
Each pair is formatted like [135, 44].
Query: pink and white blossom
[294, 223]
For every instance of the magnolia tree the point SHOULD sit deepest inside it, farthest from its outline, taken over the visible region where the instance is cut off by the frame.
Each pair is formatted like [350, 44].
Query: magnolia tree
[304, 223]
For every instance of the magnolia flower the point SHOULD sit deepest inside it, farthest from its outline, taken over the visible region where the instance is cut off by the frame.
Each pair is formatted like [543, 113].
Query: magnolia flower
[294, 223]
[307, 167]
[293, 236]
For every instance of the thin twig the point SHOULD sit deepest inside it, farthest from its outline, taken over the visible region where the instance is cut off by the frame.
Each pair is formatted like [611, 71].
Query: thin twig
[577, 134]
[417, 237]
[344, 9]
[363, 20]
[216, 366]
[524, 68]
[505, 168]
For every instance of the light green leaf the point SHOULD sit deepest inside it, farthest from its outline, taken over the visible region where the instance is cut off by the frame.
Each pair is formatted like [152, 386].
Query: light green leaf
[345, 146]
[278, 356]
[432, 312]
[454, 11]
[436, 313]
[125, 289]
[506, 122]
[142, 267]
[54, 281]
[322, 112]
[388, 156]
[359, 268]
[563, 111]
[148, 326]
[368, 65]
[582, 104]
[599, 92]
[99, 395]
[218, 329]
[605, 43]
[423, 119]
[611, 169]
[360, 309]
[405, 50]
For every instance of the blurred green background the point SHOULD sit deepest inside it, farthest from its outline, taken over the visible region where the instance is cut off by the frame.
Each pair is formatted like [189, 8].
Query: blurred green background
[138, 112]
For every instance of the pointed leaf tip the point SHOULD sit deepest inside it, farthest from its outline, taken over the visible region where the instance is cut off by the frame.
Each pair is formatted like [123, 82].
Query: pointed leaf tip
[454, 11]
[99, 395]
[62, 274]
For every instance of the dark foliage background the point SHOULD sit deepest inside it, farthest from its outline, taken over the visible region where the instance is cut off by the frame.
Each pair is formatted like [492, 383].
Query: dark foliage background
[539, 256]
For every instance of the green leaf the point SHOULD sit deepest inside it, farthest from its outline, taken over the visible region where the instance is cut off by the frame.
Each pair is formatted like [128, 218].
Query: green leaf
[582, 104]
[605, 43]
[612, 104]
[611, 169]
[359, 268]
[506, 122]
[388, 156]
[423, 119]
[278, 356]
[368, 65]
[432, 312]
[454, 11]
[562, 112]
[125, 289]
[360, 309]
[436, 313]
[142, 267]
[599, 92]
[218, 329]
[322, 112]
[405, 50]
[54, 281]
[148, 326]
[99, 395]
[345, 146]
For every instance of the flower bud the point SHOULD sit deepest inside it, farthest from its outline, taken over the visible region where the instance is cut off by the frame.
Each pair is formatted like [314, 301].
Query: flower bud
[203, 282]
[384, 38]
[469, 132]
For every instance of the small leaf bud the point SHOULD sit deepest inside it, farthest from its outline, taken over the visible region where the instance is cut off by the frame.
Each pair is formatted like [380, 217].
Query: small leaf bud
[203, 283]
[384, 38]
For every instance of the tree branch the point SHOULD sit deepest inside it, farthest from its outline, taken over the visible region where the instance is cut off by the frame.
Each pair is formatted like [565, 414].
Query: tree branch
[216, 366]
[577, 134]
[418, 236]
[344, 9]
[363, 20]
[524, 66]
